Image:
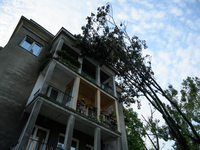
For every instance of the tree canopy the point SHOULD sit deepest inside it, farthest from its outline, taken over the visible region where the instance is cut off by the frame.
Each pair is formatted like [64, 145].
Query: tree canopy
[110, 44]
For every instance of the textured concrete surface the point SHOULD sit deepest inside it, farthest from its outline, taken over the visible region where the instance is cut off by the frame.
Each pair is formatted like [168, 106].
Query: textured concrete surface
[19, 70]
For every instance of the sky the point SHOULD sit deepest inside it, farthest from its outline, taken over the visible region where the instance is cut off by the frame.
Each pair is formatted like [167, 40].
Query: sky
[170, 28]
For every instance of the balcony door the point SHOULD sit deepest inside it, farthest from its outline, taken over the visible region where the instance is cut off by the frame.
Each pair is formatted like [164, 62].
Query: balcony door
[38, 139]
[60, 144]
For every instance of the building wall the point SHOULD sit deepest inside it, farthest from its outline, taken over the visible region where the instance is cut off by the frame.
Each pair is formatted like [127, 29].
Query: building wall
[19, 71]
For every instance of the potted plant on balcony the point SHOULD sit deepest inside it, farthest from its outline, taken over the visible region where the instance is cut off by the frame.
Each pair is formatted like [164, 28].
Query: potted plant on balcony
[107, 123]
[105, 112]
[113, 116]
[92, 107]
[81, 102]
[113, 126]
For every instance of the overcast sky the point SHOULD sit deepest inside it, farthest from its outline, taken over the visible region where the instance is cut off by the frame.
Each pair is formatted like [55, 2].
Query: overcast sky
[170, 28]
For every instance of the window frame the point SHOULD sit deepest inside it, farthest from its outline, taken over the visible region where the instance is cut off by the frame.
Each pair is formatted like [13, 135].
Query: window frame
[73, 139]
[89, 146]
[31, 45]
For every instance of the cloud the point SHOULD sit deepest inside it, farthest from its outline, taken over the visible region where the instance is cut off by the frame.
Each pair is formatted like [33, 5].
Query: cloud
[176, 11]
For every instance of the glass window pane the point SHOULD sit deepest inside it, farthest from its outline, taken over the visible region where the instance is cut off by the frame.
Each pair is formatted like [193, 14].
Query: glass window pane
[61, 142]
[26, 45]
[73, 146]
[41, 135]
[35, 49]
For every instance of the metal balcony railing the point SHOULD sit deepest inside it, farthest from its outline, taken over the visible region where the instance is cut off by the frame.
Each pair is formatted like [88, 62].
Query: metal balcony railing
[107, 88]
[59, 96]
[88, 76]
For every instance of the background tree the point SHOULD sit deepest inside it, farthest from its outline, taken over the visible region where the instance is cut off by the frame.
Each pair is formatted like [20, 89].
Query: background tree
[188, 102]
[154, 132]
[110, 44]
[134, 130]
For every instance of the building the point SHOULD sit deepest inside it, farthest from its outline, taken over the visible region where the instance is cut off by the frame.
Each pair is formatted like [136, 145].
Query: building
[53, 99]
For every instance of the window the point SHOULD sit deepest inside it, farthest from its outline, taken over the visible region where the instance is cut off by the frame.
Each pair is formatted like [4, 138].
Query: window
[38, 139]
[31, 46]
[89, 147]
[74, 145]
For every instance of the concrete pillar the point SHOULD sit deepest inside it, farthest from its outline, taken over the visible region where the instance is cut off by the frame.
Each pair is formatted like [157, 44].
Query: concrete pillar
[97, 139]
[75, 92]
[69, 132]
[124, 143]
[98, 75]
[117, 114]
[98, 103]
[29, 125]
[47, 77]
[58, 47]
[118, 144]
[80, 59]
[114, 86]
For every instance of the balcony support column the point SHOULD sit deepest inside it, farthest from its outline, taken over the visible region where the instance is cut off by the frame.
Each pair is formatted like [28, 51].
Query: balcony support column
[98, 103]
[122, 127]
[118, 144]
[47, 77]
[58, 47]
[117, 114]
[80, 59]
[114, 86]
[97, 139]
[75, 92]
[98, 71]
[69, 132]
[29, 125]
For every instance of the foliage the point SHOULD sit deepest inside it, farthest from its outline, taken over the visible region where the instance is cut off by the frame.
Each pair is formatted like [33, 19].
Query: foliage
[110, 44]
[134, 130]
[112, 114]
[190, 106]
[67, 57]
[154, 132]
[48, 56]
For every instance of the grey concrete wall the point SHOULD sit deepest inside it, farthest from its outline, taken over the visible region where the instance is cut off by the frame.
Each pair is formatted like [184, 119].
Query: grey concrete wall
[19, 70]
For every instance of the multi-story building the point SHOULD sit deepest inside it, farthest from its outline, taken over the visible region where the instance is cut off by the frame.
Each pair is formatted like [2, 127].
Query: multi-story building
[53, 99]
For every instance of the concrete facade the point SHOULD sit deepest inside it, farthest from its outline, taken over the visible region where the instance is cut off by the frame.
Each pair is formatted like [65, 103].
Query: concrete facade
[56, 107]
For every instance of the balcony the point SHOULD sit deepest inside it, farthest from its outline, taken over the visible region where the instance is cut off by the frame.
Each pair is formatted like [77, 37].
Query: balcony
[58, 96]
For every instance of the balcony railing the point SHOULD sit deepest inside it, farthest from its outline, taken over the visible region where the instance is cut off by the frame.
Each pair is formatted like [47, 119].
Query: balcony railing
[59, 96]
[107, 88]
[86, 109]
[36, 145]
[88, 76]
